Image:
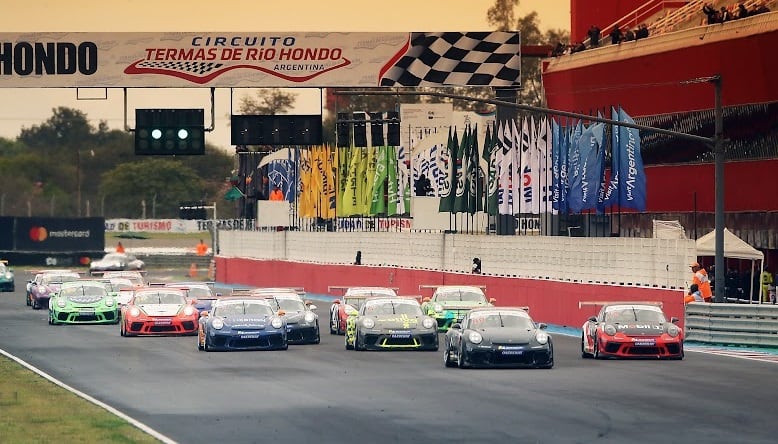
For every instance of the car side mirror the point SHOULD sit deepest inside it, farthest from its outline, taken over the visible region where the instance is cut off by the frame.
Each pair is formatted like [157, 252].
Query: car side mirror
[593, 319]
[456, 326]
[542, 325]
[674, 320]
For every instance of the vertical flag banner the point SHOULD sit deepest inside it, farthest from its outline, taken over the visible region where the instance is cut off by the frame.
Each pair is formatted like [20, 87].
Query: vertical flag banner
[372, 159]
[344, 161]
[505, 166]
[520, 143]
[391, 181]
[544, 143]
[577, 184]
[564, 179]
[378, 203]
[555, 160]
[361, 183]
[612, 191]
[447, 165]
[329, 188]
[460, 203]
[305, 205]
[633, 192]
[490, 156]
[591, 166]
[474, 191]
[403, 179]
[350, 197]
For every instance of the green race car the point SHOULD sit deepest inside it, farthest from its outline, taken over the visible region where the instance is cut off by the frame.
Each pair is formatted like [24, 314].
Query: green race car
[6, 277]
[450, 303]
[83, 302]
[393, 323]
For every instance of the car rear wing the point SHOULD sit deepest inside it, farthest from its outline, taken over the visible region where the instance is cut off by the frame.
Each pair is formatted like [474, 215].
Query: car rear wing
[417, 297]
[51, 270]
[435, 286]
[269, 290]
[343, 288]
[582, 304]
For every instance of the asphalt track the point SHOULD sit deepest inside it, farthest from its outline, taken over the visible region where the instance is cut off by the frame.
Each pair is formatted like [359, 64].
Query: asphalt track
[325, 394]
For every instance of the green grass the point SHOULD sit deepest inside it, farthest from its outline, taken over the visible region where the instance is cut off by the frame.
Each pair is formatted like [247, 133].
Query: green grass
[111, 236]
[34, 410]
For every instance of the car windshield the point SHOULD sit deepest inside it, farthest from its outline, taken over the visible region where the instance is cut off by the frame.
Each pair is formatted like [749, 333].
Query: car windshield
[83, 290]
[153, 297]
[120, 284]
[239, 308]
[371, 292]
[354, 301]
[494, 319]
[58, 278]
[633, 314]
[198, 292]
[392, 307]
[460, 296]
[290, 304]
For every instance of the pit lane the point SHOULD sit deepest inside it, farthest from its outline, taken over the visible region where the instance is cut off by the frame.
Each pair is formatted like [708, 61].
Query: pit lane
[325, 394]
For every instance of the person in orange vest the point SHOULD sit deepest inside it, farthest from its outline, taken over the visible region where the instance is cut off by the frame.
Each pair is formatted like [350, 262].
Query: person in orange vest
[202, 248]
[700, 278]
[276, 194]
[119, 248]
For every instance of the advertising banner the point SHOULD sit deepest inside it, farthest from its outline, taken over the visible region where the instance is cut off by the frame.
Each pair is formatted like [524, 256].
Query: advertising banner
[248, 59]
[54, 234]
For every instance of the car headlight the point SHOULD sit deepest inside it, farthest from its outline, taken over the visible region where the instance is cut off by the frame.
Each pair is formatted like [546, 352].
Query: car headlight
[428, 323]
[61, 303]
[368, 323]
[109, 301]
[135, 312]
[189, 310]
[310, 317]
[438, 308]
[541, 337]
[9, 276]
[475, 337]
[277, 323]
[609, 330]
[673, 330]
[218, 323]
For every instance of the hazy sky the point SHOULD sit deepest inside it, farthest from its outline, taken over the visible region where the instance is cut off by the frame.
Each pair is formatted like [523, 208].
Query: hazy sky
[31, 106]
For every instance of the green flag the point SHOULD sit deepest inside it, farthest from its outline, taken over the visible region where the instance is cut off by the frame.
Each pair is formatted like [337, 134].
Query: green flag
[378, 203]
[344, 160]
[370, 173]
[460, 198]
[490, 179]
[475, 201]
[233, 194]
[391, 184]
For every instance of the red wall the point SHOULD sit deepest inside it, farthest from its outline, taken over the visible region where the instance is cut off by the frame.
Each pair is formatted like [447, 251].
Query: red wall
[549, 301]
[644, 86]
[749, 186]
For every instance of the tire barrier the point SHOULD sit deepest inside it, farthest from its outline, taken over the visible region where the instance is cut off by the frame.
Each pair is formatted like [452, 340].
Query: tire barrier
[732, 324]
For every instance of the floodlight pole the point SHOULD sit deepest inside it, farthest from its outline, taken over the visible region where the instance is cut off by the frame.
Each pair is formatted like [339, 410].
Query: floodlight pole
[718, 158]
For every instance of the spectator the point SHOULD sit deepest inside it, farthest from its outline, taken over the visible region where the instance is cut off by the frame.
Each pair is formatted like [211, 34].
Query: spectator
[766, 280]
[558, 50]
[276, 194]
[202, 248]
[700, 278]
[616, 35]
[694, 295]
[476, 269]
[711, 13]
[423, 186]
[759, 9]
[578, 48]
[629, 35]
[358, 259]
[119, 248]
[724, 15]
[642, 31]
[742, 11]
[594, 36]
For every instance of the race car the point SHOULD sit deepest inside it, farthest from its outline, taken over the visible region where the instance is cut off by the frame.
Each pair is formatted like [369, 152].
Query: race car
[498, 337]
[450, 303]
[630, 330]
[117, 262]
[6, 276]
[83, 302]
[45, 285]
[158, 311]
[242, 323]
[391, 323]
[302, 323]
[136, 276]
[350, 302]
[200, 294]
[120, 288]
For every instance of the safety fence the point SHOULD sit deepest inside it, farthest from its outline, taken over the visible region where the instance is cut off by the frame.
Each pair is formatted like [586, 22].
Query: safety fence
[732, 324]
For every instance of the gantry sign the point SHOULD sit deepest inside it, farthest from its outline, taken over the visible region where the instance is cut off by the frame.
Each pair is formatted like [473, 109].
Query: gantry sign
[152, 60]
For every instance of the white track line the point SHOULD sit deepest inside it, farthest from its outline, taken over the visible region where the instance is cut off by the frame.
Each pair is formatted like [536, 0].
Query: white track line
[94, 401]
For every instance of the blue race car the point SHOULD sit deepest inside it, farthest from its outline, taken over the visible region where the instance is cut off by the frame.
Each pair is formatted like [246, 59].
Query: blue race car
[242, 323]
[302, 322]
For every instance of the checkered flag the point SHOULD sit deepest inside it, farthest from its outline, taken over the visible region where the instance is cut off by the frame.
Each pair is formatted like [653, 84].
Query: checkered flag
[459, 59]
[197, 72]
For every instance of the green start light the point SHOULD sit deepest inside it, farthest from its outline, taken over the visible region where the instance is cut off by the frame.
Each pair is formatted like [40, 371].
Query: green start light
[169, 132]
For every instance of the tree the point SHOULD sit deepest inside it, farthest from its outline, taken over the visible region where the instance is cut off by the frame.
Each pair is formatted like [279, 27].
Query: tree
[268, 102]
[161, 183]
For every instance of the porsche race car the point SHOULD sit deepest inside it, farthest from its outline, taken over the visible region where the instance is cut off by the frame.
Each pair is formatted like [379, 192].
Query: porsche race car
[45, 285]
[241, 323]
[391, 324]
[302, 322]
[450, 303]
[158, 311]
[83, 302]
[6, 276]
[200, 294]
[349, 304]
[631, 330]
[117, 262]
[498, 337]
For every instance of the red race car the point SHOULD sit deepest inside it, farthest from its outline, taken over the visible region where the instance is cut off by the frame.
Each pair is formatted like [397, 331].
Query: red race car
[630, 330]
[350, 302]
[159, 311]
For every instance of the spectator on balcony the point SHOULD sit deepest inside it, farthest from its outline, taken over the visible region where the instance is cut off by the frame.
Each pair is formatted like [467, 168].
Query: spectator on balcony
[711, 13]
[559, 50]
[629, 35]
[642, 32]
[724, 15]
[616, 35]
[742, 11]
[594, 36]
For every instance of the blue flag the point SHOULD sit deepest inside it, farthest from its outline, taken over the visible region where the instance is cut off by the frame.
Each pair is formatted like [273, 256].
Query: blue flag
[555, 170]
[611, 194]
[633, 193]
[564, 149]
[579, 151]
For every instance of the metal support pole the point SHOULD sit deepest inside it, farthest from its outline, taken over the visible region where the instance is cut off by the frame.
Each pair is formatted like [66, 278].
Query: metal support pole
[718, 153]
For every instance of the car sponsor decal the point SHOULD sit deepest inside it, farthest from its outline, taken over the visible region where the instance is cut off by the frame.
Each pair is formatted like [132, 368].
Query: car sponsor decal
[400, 334]
[644, 342]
